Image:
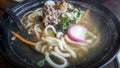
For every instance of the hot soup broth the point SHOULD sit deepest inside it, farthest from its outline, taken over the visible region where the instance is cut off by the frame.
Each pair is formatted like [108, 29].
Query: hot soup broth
[64, 35]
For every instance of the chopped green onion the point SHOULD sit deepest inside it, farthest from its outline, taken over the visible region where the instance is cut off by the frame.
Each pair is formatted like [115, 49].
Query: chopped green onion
[41, 63]
[74, 16]
[78, 18]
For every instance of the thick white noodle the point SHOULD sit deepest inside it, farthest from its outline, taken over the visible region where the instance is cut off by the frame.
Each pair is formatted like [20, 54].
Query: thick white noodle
[39, 30]
[90, 33]
[36, 32]
[28, 25]
[21, 20]
[77, 43]
[49, 26]
[38, 46]
[59, 34]
[39, 12]
[69, 49]
[56, 40]
[39, 9]
[61, 53]
[55, 65]
[88, 41]
[28, 21]
[30, 16]
[27, 13]
[47, 40]
[43, 49]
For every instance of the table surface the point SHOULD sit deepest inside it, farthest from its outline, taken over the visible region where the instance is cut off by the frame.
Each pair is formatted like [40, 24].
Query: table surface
[112, 5]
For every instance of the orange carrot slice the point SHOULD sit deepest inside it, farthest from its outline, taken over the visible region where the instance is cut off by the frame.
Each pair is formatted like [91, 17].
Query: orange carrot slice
[23, 39]
[84, 16]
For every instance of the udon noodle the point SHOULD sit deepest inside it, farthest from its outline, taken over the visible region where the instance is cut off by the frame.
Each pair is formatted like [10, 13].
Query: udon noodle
[54, 42]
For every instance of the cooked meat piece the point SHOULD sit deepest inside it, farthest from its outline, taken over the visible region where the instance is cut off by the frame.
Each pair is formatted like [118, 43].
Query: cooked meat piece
[50, 15]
